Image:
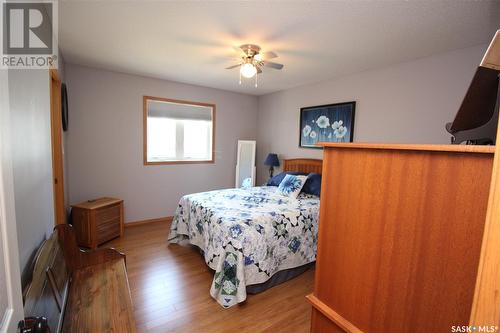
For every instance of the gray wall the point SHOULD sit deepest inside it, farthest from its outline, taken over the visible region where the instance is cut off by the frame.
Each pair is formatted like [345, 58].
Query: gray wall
[31, 158]
[4, 151]
[404, 103]
[104, 141]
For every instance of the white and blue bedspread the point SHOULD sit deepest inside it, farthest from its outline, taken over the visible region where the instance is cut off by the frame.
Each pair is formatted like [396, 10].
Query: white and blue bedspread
[247, 235]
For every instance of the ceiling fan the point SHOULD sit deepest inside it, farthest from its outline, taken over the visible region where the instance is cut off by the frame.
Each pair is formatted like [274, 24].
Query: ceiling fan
[252, 61]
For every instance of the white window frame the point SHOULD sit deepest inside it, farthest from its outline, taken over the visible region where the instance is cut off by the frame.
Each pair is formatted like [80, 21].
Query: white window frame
[179, 133]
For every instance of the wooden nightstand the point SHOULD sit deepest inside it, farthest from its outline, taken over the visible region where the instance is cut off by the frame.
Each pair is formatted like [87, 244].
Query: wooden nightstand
[97, 221]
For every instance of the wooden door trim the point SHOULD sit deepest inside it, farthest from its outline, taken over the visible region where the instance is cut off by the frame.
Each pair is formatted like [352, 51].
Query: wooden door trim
[56, 143]
[332, 315]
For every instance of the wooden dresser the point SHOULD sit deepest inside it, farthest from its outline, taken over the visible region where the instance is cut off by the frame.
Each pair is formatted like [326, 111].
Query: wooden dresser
[97, 221]
[400, 236]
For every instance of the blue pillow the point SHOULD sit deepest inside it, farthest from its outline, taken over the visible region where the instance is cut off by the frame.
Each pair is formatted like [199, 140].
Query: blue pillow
[276, 180]
[291, 185]
[313, 184]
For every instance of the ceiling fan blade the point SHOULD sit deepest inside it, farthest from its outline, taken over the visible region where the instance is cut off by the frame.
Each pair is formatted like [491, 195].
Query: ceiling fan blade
[273, 65]
[268, 55]
[234, 66]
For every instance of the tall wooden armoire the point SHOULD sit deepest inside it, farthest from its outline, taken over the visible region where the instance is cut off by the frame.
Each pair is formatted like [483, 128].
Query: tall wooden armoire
[400, 236]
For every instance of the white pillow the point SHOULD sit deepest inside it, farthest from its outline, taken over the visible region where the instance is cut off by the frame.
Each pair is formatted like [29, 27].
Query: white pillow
[246, 183]
[291, 185]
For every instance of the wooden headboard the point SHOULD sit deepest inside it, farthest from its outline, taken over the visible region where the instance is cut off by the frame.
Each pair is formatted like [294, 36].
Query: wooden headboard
[307, 165]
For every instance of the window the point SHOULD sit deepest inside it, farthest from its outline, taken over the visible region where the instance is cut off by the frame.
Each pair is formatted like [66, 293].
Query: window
[178, 131]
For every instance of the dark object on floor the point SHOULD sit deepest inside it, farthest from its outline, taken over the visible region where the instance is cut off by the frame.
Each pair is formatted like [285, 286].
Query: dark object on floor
[34, 325]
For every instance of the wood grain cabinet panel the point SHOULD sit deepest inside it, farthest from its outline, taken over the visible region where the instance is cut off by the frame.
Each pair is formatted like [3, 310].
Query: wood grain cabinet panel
[97, 221]
[399, 236]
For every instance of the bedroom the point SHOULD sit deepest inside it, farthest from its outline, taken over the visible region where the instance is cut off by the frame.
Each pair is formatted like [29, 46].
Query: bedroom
[153, 117]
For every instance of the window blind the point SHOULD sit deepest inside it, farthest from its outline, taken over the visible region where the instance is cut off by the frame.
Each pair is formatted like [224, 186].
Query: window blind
[158, 109]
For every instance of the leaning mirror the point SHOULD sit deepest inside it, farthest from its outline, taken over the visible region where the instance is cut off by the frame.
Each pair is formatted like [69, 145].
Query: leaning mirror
[245, 164]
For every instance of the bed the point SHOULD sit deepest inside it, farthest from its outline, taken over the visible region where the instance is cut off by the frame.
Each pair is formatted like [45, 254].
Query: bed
[252, 238]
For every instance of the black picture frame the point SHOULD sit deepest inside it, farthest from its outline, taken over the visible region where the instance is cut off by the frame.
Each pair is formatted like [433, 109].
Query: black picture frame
[322, 123]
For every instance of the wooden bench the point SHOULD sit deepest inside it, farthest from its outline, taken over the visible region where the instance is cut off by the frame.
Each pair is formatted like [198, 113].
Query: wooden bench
[77, 291]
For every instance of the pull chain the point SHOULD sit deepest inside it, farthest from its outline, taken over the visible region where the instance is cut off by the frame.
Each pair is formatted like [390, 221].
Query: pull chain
[240, 76]
[256, 75]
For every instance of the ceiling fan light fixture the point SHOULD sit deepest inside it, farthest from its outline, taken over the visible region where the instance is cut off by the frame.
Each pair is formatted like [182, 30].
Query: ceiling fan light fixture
[253, 62]
[248, 70]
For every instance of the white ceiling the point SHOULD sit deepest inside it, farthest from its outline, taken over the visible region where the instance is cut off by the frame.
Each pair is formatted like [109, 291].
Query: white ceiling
[193, 42]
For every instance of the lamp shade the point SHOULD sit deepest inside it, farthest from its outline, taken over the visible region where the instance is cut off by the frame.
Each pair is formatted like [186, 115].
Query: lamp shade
[272, 160]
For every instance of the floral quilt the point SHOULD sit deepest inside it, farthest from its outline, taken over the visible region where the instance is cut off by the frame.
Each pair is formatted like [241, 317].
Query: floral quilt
[247, 235]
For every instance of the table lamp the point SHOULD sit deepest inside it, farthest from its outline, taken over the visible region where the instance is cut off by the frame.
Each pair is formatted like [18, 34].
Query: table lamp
[272, 160]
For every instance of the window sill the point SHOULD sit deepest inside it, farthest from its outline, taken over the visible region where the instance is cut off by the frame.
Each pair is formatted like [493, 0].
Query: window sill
[212, 161]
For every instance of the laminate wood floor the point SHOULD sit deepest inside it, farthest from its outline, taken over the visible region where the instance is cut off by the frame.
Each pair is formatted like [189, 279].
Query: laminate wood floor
[170, 290]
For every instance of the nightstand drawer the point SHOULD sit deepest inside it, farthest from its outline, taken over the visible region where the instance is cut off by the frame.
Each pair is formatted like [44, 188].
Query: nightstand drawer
[109, 230]
[106, 214]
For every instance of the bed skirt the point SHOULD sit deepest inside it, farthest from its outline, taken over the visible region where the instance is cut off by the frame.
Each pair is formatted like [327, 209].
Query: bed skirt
[278, 278]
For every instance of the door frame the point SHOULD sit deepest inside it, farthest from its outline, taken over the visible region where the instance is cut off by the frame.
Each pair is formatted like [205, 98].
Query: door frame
[57, 149]
[8, 230]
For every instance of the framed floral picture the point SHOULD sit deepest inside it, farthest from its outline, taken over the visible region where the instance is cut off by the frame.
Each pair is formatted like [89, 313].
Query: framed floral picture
[326, 123]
